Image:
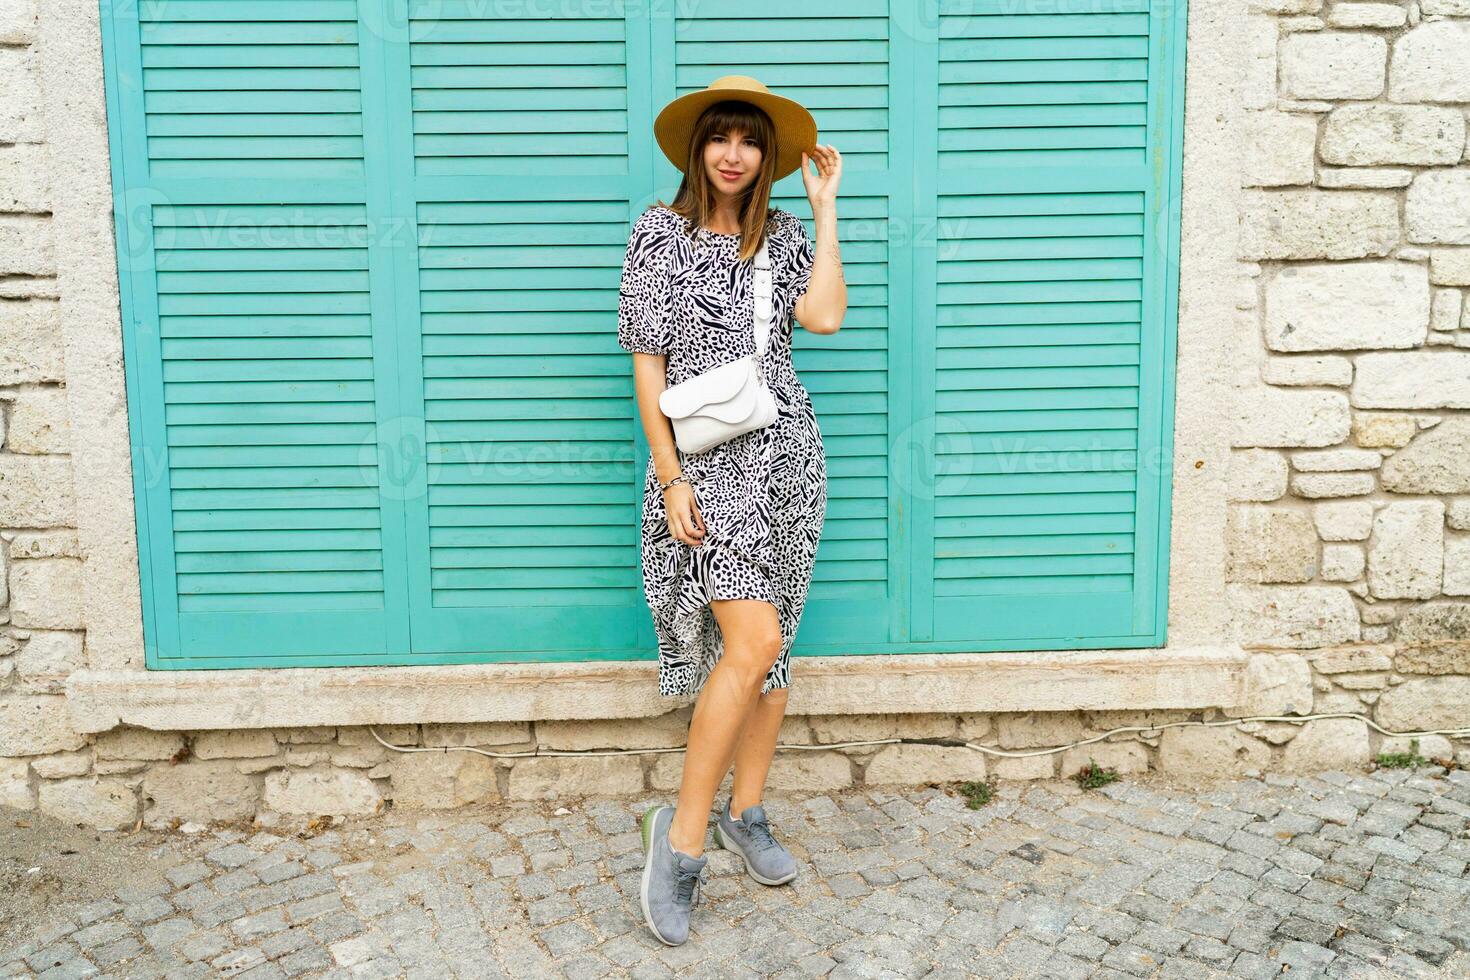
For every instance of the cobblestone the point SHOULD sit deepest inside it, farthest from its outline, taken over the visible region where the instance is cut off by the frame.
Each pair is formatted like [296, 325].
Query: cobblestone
[1333, 875]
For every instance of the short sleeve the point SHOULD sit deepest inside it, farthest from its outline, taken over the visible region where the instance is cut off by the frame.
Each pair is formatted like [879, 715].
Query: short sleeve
[799, 258]
[645, 307]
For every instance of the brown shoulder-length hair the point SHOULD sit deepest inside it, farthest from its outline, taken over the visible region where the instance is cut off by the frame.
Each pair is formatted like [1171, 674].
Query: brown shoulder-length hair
[695, 199]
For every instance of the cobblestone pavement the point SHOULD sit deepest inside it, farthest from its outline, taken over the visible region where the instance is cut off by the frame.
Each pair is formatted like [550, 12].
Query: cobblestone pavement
[1341, 874]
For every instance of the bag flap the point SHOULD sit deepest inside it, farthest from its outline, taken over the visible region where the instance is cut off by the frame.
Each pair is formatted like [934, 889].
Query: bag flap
[716, 392]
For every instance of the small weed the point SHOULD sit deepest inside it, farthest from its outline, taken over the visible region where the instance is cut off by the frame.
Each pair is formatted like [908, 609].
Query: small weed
[977, 792]
[1092, 775]
[1403, 760]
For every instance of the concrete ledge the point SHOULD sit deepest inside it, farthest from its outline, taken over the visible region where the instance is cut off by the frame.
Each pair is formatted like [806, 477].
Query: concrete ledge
[1066, 680]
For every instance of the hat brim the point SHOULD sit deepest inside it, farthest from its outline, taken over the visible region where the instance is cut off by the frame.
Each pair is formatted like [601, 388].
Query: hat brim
[796, 129]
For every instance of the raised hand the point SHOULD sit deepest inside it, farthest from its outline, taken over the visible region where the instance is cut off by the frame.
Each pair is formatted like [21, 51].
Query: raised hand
[821, 188]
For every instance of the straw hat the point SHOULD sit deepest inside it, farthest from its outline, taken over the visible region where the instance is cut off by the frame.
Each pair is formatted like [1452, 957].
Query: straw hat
[796, 130]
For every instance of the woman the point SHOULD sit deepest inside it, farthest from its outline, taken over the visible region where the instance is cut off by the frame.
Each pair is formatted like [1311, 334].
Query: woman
[729, 535]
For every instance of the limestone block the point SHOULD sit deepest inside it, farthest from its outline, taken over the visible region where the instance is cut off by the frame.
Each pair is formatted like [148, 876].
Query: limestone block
[1364, 178]
[553, 777]
[1293, 616]
[1373, 134]
[21, 120]
[1383, 430]
[1406, 550]
[1280, 149]
[1342, 562]
[1431, 63]
[1445, 309]
[63, 765]
[1445, 8]
[1327, 370]
[1257, 475]
[1332, 65]
[1430, 746]
[1216, 750]
[1457, 514]
[30, 353]
[40, 422]
[17, 789]
[913, 765]
[400, 735]
[1040, 729]
[106, 803]
[199, 792]
[46, 594]
[1437, 207]
[855, 728]
[1276, 417]
[668, 730]
[489, 734]
[1342, 660]
[1347, 306]
[1434, 638]
[1275, 684]
[1025, 767]
[243, 744]
[1124, 757]
[1457, 565]
[443, 781]
[1436, 462]
[36, 491]
[1320, 485]
[320, 792]
[1412, 379]
[48, 658]
[1327, 744]
[809, 771]
[1366, 15]
[1269, 544]
[1336, 460]
[1426, 703]
[25, 174]
[36, 725]
[1344, 520]
[1449, 266]
[125, 742]
[1318, 224]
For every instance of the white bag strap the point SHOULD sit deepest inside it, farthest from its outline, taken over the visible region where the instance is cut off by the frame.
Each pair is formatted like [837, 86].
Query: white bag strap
[763, 297]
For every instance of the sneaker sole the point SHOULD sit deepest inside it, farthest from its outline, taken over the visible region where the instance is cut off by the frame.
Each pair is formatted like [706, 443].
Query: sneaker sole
[647, 828]
[749, 868]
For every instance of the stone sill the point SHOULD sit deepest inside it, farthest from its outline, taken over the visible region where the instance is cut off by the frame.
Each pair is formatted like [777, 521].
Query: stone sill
[1066, 680]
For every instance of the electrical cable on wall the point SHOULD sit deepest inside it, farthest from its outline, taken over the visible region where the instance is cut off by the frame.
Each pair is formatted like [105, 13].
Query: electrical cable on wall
[1296, 719]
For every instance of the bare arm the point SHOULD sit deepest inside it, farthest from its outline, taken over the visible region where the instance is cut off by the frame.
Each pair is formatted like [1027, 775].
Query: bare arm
[650, 378]
[822, 307]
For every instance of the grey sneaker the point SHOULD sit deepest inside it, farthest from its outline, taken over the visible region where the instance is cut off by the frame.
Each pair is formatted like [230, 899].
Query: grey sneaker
[767, 861]
[671, 879]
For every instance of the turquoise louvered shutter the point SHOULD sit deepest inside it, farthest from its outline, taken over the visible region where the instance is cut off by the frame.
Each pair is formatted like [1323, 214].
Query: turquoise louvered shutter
[370, 267]
[512, 161]
[257, 368]
[1047, 326]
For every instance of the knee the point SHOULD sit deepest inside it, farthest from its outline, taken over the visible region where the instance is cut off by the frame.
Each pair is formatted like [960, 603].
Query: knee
[762, 650]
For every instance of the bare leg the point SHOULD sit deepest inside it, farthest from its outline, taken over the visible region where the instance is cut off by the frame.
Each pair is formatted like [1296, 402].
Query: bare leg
[752, 635]
[756, 748]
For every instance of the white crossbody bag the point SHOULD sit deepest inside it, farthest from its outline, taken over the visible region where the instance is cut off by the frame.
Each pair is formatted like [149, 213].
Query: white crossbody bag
[732, 399]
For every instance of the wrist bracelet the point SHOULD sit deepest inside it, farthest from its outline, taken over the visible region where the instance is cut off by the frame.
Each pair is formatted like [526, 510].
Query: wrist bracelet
[677, 479]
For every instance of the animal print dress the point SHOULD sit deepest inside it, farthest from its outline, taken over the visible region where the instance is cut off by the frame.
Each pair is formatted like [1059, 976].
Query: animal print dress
[762, 494]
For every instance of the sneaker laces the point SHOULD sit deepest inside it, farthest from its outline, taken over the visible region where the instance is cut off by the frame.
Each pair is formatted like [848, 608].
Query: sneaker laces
[686, 883]
[760, 831]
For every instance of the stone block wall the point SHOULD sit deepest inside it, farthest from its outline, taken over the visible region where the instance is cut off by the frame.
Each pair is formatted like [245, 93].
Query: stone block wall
[1349, 522]
[1348, 532]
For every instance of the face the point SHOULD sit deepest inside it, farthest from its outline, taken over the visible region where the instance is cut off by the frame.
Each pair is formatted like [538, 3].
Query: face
[731, 161]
